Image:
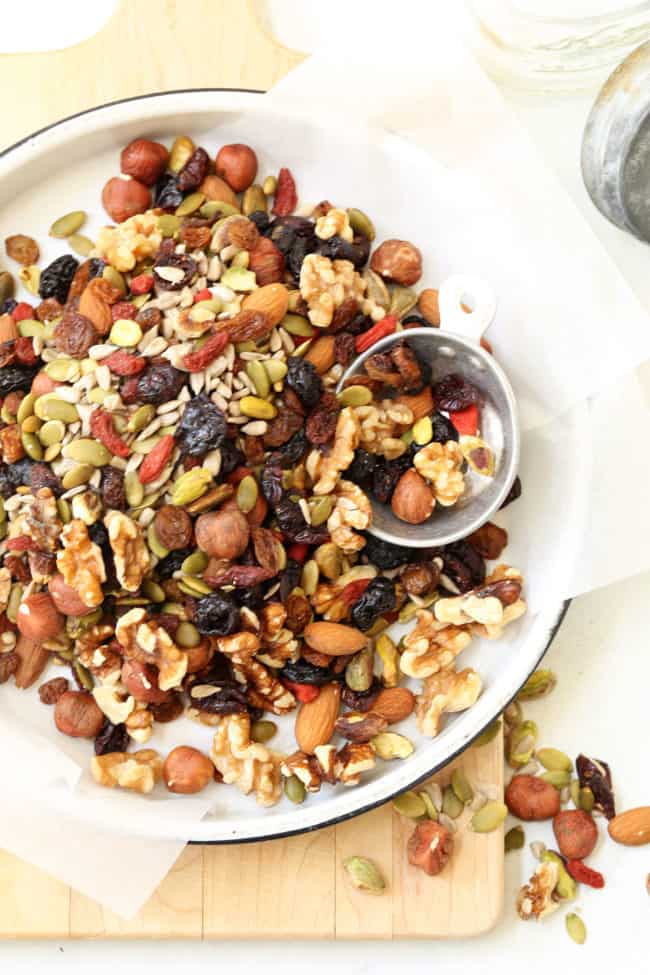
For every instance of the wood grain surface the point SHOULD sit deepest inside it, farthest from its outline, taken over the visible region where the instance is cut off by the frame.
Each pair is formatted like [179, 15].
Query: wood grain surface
[294, 888]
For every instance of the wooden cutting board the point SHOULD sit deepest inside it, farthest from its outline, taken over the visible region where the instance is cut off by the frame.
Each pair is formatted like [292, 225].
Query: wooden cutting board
[294, 888]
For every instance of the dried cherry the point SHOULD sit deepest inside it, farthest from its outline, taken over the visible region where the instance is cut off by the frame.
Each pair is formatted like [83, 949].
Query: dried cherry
[171, 563]
[443, 429]
[465, 552]
[301, 672]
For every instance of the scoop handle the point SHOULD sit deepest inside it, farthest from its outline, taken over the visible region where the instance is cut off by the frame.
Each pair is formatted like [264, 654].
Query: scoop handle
[474, 291]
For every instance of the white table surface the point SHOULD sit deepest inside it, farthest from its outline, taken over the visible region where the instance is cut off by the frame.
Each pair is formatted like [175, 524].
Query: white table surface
[600, 654]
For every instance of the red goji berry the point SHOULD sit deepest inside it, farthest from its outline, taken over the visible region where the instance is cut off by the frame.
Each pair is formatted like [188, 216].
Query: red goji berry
[585, 875]
[123, 309]
[24, 349]
[203, 295]
[286, 197]
[197, 361]
[378, 331]
[153, 464]
[354, 590]
[101, 427]
[141, 284]
[238, 475]
[125, 363]
[21, 543]
[466, 421]
[302, 692]
[298, 552]
[22, 311]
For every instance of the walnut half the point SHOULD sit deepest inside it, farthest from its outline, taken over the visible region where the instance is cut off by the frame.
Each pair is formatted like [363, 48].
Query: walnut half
[251, 766]
[81, 563]
[129, 548]
[145, 641]
[139, 771]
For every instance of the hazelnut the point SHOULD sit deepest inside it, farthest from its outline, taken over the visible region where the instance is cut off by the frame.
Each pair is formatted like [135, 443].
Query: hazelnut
[430, 847]
[420, 578]
[216, 188]
[144, 160]
[531, 798]
[141, 680]
[187, 770]
[237, 164]
[413, 499]
[66, 599]
[76, 714]
[222, 534]
[38, 617]
[42, 384]
[267, 262]
[576, 833]
[123, 198]
[428, 305]
[399, 261]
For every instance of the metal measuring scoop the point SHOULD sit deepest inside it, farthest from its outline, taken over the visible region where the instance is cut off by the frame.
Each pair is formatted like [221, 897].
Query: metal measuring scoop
[454, 347]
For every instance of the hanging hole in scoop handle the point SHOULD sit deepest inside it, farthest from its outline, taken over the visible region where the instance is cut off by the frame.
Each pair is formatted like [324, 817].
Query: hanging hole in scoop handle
[467, 306]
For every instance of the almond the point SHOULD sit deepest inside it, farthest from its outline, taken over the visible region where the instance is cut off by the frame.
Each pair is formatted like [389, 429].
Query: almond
[632, 828]
[93, 305]
[216, 188]
[272, 300]
[428, 305]
[316, 719]
[420, 404]
[335, 639]
[9, 330]
[33, 659]
[413, 499]
[321, 354]
[394, 704]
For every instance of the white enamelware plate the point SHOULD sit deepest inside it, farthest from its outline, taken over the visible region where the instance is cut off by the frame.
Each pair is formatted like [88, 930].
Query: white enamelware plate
[63, 168]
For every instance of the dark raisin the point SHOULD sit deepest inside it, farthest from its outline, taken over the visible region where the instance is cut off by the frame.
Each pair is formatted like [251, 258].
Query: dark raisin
[112, 486]
[99, 536]
[171, 563]
[456, 577]
[216, 615]
[596, 775]
[112, 738]
[42, 476]
[386, 475]
[180, 261]
[148, 318]
[173, 527]
[443, 429]
[344, 350]
[168, 710]
[8, 306]
[282, 428]
[294, 450]
[453, 392]
[95, 267]
[414, 374]
[15, 475]
[361, 700]
[227, 699]
[262, 221]
[202, 428]
[416, 321]
[251, 598]
[159, 383]
[338, 249]
[167, 195]
[292, 524]
[378, 598]
[385, 555]
[362, 468]
[192, 174]
[15, 378]
[513, 493]
[231, 457]
[321, 426]
[303, 379]
[271, 480]
[301, 672]
[468, 554]
[74, 334]
[57, 277]
[289, 579]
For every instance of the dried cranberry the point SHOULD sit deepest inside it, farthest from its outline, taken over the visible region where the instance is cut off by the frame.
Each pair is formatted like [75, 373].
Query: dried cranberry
[42, 476]
[216, 615]
[193, 172]
[454, 392]
[167, 195]
[378, 598]
[202, 428]
[112, 738]
[57, 277]
[180, 261]
[303, 379]
[112, 486]
[160, 383]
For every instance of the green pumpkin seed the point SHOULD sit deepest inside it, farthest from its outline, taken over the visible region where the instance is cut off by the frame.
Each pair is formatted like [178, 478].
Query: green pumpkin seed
[81, 245]
[190, 204]
[175, 609]
[31, 425]
[489, 817]
[275, 369]
[63, 370]
[402, 300]
[461, 787]
[83, 675]
[15, 597]
[355, 396]
[247, 492]
[211, 207]
[26, 407]
[3, 513]
[256, 408]
[521, 744]
[514, 839]
[187, 635]
[194, 564]
[488, 735]
[115, 278]
[297, 325]
[64, 511]
[50, 407]
[432, 812]
[51, 433]
[70, 223]
[451, 804]
[87, 451]
[239, 279]
[50, 328]
[80, 474]
[410, 804]
[7, 286]
[389, 745]
[97, 395]
[377, 290]
[125, 333]
[586, 799]
[30, 328]
[576, 928]
[133, 489]
[194, 587]
[320, 509]
[557, 778]
[387, 653]
[566, 887]
[259, 377]
[365, 875]
[262, 731]
[31, 278]
[52, 452]
[539, 684]
[168, 224]
[153, 591]
[423, 431]
[554, 760]
[154, 542]
[146, 446]
[294, 790]
[359, 670]
[32, 445]
[270, 185]
[361, 223]
[190, 486]
[309, 577]
[254, 199]
[242, 259]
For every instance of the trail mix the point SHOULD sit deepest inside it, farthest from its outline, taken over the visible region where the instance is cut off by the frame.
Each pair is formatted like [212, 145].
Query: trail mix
[184, 511]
